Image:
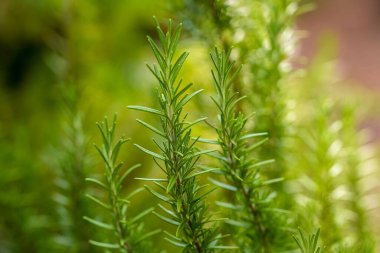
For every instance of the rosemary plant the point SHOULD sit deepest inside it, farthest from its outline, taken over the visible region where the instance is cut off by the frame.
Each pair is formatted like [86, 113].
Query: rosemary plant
[319, 187]
[128, 234]
[181, 192]
[263, 37]
[71, 163]
[258, 221]
[266, 58]
[358, 229]
[333, 186]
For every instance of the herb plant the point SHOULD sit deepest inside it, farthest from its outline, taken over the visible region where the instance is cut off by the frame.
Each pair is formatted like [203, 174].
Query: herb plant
[252, 203]
[332, 188]
[183, 196]
[127, 232]
[71, 163]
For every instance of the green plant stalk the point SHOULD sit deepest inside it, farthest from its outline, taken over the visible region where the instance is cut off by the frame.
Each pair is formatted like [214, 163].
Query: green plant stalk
[240, 170]
[181, 190]
[128, 234]
[70, 166]
[116, 205]
[229, 135]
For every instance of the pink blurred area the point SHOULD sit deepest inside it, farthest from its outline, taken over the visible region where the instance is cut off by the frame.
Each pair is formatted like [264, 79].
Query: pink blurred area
[356, 24]
[356, 27]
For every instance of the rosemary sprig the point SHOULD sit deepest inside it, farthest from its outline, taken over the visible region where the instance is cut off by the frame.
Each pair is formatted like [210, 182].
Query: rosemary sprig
[128, 231]
[70, 162]
[184, 198]
[256, 219]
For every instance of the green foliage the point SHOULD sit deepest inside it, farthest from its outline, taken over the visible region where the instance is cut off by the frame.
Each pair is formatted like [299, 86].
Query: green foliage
[265, 51]
[71, 164]
[312, 138]
[332, 189]
[262, 35]
[260, 228]
[356, 176]
[25, 226]
[180, 190]
[321, 182]
[128, 234]
[308, 244]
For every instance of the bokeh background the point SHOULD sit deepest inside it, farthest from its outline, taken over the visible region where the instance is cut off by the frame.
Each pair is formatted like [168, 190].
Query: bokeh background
[353, 31]
[82, 60]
